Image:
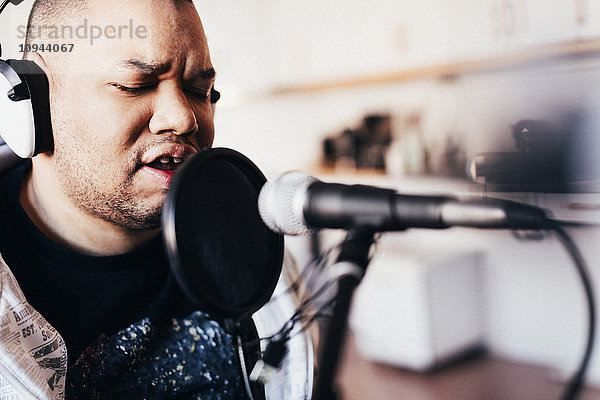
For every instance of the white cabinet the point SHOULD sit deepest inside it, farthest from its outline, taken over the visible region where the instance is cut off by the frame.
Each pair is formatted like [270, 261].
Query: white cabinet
[263, 45]
[587, 16]
[317, 42]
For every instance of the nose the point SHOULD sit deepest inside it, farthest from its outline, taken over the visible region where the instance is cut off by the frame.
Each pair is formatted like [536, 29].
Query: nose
[173, 113]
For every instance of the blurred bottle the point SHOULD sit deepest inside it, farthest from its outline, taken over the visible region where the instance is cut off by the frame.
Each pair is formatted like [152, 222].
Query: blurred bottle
[407, 154]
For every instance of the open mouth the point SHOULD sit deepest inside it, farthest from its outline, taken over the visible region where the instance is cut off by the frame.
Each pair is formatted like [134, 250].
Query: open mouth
[160, 163]
[166, 163]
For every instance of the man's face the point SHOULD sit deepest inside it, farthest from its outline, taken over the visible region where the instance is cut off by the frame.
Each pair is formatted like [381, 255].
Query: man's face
[126, 111]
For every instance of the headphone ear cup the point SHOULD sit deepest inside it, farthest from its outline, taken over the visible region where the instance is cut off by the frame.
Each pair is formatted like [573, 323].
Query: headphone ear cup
[39, 90]
[17, 126]
[25, 123]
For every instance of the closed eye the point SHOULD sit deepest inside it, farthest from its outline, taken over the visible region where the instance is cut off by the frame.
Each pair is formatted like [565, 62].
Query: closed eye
[213, 96]
[133, 90]
[198, 93]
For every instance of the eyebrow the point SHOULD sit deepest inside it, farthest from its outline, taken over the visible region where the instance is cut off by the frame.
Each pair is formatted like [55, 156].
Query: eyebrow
[145, 67]
[159, 68]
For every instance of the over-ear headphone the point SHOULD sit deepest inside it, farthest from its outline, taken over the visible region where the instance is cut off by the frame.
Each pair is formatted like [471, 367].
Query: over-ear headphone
[25, 125]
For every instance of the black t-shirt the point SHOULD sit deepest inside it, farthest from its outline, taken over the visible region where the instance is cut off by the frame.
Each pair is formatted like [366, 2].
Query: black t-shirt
[129, 330]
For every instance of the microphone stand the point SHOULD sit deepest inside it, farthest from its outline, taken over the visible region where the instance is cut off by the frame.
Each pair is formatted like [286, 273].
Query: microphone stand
[351, 266]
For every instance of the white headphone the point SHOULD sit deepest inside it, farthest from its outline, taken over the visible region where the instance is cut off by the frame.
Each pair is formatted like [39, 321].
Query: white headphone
[25, 124]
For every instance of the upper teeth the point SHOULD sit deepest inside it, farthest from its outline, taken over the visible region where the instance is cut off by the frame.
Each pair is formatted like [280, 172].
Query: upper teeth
[166, 159]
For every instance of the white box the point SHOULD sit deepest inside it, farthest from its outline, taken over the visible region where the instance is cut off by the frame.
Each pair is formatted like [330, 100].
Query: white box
[419, 311]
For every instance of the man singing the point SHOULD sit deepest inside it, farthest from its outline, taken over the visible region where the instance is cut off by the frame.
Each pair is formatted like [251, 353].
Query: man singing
[80, 223]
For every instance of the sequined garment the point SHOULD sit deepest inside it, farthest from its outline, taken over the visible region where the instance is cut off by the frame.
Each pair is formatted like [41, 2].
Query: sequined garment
[190, 358]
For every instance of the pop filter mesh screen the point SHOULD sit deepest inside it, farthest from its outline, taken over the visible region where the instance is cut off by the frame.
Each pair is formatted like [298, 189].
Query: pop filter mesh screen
[229, 260]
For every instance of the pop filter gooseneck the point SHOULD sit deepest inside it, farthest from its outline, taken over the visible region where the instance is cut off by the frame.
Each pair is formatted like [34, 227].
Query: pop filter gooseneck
[224, 257]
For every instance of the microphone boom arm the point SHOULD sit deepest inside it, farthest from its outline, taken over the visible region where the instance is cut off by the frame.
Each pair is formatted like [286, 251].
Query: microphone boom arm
[353, 261]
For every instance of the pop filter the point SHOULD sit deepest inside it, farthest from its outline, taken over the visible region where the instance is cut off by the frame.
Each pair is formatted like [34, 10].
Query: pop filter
[224, 257]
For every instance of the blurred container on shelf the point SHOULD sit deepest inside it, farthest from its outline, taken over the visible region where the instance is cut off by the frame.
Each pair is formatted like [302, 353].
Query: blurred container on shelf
[363, 147]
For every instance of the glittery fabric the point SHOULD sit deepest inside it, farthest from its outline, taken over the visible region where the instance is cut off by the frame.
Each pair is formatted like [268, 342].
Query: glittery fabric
[189, 358]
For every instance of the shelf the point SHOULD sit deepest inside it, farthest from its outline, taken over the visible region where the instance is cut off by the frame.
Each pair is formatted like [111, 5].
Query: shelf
[521, 58]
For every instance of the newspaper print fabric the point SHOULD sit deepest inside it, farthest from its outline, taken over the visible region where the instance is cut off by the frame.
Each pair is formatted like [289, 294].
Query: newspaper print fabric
[33, 355]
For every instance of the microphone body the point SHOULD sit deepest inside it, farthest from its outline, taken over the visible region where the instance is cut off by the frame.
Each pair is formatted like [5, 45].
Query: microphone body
[295, 203]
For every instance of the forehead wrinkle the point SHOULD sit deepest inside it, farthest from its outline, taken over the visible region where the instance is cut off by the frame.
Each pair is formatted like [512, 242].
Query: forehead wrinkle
[160, 68]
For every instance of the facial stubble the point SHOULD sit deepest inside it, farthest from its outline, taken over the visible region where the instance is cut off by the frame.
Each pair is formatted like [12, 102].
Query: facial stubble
[91, 192]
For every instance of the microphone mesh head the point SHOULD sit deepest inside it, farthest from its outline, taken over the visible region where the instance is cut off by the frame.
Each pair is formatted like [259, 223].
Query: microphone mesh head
[281, 202]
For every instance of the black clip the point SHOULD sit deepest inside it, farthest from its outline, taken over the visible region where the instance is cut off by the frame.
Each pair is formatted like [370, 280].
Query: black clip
[19, 92]
[270, 362]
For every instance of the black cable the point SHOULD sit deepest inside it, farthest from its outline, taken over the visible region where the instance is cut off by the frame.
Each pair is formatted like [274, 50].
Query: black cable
[304, 279]
[299, 315]
[319, 314]
[316, 316]
[276, 349]
[575, 385]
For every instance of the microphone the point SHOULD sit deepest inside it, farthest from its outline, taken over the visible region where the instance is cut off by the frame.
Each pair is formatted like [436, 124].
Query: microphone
[296, 203]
